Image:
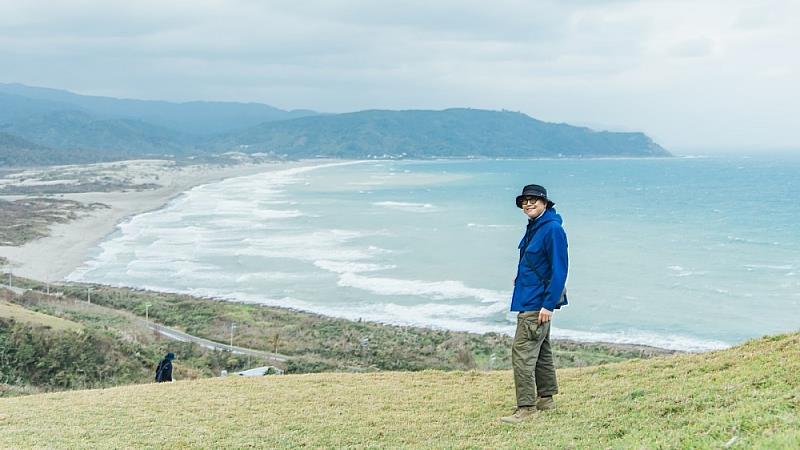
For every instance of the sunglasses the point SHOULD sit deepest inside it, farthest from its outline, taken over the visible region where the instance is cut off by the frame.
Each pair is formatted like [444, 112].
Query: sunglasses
[529, 199]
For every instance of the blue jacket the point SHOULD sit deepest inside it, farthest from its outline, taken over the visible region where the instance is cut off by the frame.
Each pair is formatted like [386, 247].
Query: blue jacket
[543, 249]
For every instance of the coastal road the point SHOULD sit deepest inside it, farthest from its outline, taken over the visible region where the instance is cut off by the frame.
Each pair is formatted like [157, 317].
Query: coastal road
[16, 290]
[174, 334]
[183, 337]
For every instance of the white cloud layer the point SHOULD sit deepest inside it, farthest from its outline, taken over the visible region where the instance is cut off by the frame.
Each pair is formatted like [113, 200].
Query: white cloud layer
[692, 74]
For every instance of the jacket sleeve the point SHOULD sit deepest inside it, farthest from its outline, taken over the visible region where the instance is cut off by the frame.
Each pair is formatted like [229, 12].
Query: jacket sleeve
[559, 263]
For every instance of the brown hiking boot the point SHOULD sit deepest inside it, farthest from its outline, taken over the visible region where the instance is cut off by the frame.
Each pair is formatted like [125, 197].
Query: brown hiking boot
[521, 414]
[545, 404]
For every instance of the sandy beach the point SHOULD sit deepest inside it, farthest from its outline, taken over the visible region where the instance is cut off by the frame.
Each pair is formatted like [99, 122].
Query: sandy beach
[55, 256]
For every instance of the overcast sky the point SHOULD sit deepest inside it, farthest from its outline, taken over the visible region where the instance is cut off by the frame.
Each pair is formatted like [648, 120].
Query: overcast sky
[694, 75]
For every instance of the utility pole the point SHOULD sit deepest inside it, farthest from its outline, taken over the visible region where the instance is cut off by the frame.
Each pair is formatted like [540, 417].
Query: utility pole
[146, 312]
[233, 325]
[89, 295]
[275, 342]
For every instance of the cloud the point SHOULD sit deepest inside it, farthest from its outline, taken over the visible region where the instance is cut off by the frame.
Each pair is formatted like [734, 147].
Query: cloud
[660, 66]
[693, 48]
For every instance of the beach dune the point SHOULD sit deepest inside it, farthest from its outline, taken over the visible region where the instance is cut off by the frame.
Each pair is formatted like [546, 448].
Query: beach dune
[54, 257]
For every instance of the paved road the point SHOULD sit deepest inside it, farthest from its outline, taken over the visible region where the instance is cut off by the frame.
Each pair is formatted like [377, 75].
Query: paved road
[16, 290]
[183, 337]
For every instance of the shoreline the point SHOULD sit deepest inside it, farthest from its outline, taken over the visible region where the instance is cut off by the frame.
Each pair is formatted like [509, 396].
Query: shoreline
[53, 257]
[71, 242]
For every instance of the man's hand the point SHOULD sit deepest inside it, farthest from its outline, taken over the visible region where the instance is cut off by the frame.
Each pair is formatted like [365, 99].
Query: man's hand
[545, 316]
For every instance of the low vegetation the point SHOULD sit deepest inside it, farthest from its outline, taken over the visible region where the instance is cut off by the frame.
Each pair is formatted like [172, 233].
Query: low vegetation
[101, 177]
[74, 188]
[48, 358]
[28, 219]
[318, 343]
[111, 325]
[744, 397]
[45, 340]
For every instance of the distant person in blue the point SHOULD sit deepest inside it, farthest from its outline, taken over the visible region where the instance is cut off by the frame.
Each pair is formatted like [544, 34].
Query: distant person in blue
[539, 289]
[164, 369]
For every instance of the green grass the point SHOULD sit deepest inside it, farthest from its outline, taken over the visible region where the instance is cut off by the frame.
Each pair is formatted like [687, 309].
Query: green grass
[20, 314]
[748, 395]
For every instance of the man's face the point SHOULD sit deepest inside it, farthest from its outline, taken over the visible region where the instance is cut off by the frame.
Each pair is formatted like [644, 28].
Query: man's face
[533, 207]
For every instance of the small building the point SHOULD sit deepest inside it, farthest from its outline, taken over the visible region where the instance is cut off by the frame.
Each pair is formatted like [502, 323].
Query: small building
[260, 371]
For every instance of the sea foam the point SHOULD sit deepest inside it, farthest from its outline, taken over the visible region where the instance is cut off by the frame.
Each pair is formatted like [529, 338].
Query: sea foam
[408, 207]
[437, 290]
[305, 238]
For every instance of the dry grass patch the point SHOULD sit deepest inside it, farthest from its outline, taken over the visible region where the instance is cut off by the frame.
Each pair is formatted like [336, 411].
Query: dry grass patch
[28, 219]
[19, 314]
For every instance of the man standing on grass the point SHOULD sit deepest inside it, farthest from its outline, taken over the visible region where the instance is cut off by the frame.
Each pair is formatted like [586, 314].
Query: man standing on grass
[539, 289]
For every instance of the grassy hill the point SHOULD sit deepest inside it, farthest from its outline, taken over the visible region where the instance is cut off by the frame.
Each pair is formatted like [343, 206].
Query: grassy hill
[17, 313]
[745, 397]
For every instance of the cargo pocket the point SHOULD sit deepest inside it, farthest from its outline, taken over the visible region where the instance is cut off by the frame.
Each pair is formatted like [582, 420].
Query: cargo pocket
[522, 330]
[532, 327]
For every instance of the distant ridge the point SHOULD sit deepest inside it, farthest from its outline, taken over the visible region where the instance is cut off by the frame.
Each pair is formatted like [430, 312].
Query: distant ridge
[199, 117]
[457, 132]
[69, 127]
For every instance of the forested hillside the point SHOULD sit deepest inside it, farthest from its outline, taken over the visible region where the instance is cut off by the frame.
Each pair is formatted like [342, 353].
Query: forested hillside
[427, 134]
[48, 126]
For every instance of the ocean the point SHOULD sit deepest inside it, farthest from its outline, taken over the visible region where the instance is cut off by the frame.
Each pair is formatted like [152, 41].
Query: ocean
[690, 254]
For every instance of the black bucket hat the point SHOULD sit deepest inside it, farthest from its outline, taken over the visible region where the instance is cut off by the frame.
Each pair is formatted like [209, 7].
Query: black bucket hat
[170, 356]
[534, 190]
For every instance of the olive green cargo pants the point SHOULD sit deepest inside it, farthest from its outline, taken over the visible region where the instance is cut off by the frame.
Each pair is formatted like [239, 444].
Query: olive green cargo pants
[532, 358]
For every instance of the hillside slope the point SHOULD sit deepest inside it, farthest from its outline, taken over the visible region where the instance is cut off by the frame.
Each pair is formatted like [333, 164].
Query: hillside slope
[76, 128]
[199, 117]
[456, 132]
[17, 313]
[745, 397]
[16, 151]
[67, 130]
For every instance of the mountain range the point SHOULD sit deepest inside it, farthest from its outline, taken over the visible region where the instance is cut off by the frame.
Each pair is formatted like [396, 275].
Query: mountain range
[50, 126]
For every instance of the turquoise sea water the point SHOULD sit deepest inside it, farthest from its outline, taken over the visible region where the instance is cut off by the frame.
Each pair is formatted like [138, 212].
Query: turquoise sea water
[684, 253]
